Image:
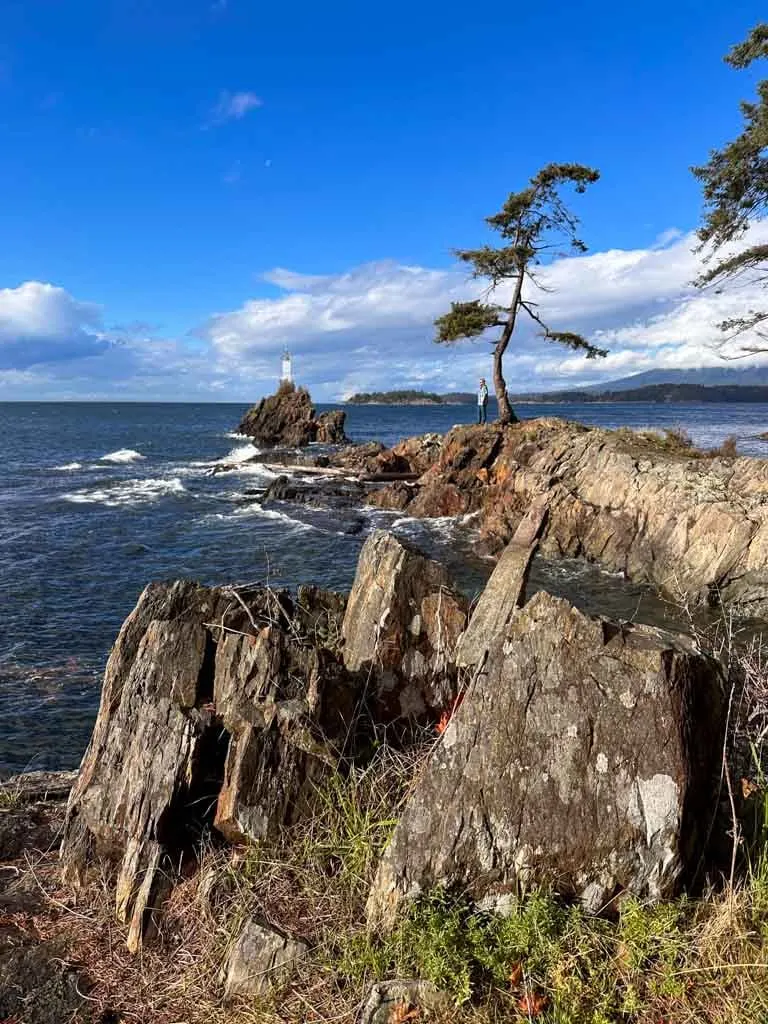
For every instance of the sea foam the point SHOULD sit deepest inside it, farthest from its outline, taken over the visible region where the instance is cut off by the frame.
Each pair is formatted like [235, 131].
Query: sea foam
[132, 492]
[122, 455]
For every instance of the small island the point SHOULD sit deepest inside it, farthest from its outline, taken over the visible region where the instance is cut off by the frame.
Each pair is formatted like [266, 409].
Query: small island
[408, 397]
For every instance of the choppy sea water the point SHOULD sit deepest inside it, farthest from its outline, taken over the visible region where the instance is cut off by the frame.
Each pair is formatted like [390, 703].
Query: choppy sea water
[97, 499]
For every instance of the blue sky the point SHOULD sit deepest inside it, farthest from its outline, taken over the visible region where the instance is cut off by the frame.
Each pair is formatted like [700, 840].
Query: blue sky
[188, 185]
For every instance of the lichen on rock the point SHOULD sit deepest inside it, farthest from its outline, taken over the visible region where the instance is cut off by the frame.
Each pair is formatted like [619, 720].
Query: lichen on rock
[584, 756]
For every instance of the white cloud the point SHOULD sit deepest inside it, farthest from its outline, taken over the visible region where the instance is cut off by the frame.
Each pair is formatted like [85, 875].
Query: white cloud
[233, 106]
[371, 327]
[41, 323]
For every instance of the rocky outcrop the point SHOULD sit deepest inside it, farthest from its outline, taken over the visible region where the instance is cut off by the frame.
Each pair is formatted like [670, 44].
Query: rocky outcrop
[695, 527]
[220, 709]
[38, 985]
[572, 751]
[402, 625]
[318, 491]
[585, 756]
[261, 959]
[414, 455]
[223, 710]
[287, 418]
[330, 427]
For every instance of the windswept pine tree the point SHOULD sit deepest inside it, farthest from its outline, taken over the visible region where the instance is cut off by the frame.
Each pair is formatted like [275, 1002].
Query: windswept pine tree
[735, 187]
[535, 226]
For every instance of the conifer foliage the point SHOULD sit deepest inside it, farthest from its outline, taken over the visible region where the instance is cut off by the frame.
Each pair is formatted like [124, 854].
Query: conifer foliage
[735, 187]
[536, 226]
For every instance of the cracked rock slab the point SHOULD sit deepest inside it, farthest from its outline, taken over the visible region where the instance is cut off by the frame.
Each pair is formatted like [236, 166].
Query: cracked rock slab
[586, 757]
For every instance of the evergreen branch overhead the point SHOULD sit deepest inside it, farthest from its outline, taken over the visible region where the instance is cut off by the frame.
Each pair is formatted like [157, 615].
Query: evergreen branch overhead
[734, 183]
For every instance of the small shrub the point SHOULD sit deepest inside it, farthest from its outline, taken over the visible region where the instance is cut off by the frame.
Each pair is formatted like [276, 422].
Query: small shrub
[728, 449]
[678, 437]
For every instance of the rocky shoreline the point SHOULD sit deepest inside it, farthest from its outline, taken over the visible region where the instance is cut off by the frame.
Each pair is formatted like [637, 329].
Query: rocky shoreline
[395, 748]
[692, 524]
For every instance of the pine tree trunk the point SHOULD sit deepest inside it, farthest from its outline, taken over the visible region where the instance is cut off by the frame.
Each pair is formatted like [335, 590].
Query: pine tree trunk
[506, 413]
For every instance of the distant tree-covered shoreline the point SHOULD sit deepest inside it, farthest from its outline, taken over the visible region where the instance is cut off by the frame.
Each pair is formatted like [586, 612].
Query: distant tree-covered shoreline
[410, 397]
[658, 393]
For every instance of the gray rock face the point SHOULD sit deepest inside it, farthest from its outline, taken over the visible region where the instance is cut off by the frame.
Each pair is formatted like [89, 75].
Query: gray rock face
[218, 710]
[262, 958]
[402, 624]
[585, 755]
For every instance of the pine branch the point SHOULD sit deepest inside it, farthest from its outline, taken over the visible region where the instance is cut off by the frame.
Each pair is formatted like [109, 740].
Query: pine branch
[750, 259]
[567, 338]
[466, 320]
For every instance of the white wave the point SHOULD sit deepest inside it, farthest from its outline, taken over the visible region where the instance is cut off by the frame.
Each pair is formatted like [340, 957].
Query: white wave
[258, 469]
[69, 466]
[238, 437]
[255, 509]
[122, 455]
[132, 492]
[243, 453]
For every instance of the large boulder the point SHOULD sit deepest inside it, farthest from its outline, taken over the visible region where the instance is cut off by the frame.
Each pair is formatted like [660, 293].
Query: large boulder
[585, 755]
[220, 709]
[287, 418]
[403, 621]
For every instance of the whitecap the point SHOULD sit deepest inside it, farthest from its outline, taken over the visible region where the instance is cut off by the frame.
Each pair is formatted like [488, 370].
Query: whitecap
[122, 455]
[69, 466]
[242, 453]
[259, 469]
[132, 492]
[255, 509]
[237, 437]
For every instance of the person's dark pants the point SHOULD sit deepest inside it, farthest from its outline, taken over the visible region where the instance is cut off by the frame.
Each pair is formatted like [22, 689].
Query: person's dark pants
[481, 413]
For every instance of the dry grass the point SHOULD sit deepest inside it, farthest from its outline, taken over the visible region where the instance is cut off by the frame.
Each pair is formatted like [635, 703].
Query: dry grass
[657, 441]
[671, 441]
[728, 449]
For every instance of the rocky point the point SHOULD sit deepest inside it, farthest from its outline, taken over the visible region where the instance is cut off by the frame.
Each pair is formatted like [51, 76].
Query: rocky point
[288, 418]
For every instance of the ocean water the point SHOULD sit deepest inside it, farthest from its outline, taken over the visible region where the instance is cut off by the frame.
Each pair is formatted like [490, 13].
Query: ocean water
[98, 499]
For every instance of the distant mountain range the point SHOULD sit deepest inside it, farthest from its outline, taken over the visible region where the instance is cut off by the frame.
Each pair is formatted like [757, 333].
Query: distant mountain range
[707, 384]
[709, 376]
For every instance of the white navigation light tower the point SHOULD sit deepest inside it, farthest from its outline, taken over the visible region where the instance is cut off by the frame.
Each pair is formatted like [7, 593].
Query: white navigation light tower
[286, 375]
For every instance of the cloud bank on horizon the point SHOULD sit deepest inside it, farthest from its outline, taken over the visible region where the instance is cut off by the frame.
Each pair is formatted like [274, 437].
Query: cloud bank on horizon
[370, 328]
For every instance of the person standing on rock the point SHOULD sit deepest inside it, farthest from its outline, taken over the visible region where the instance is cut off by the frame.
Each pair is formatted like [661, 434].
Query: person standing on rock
[482, 401]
